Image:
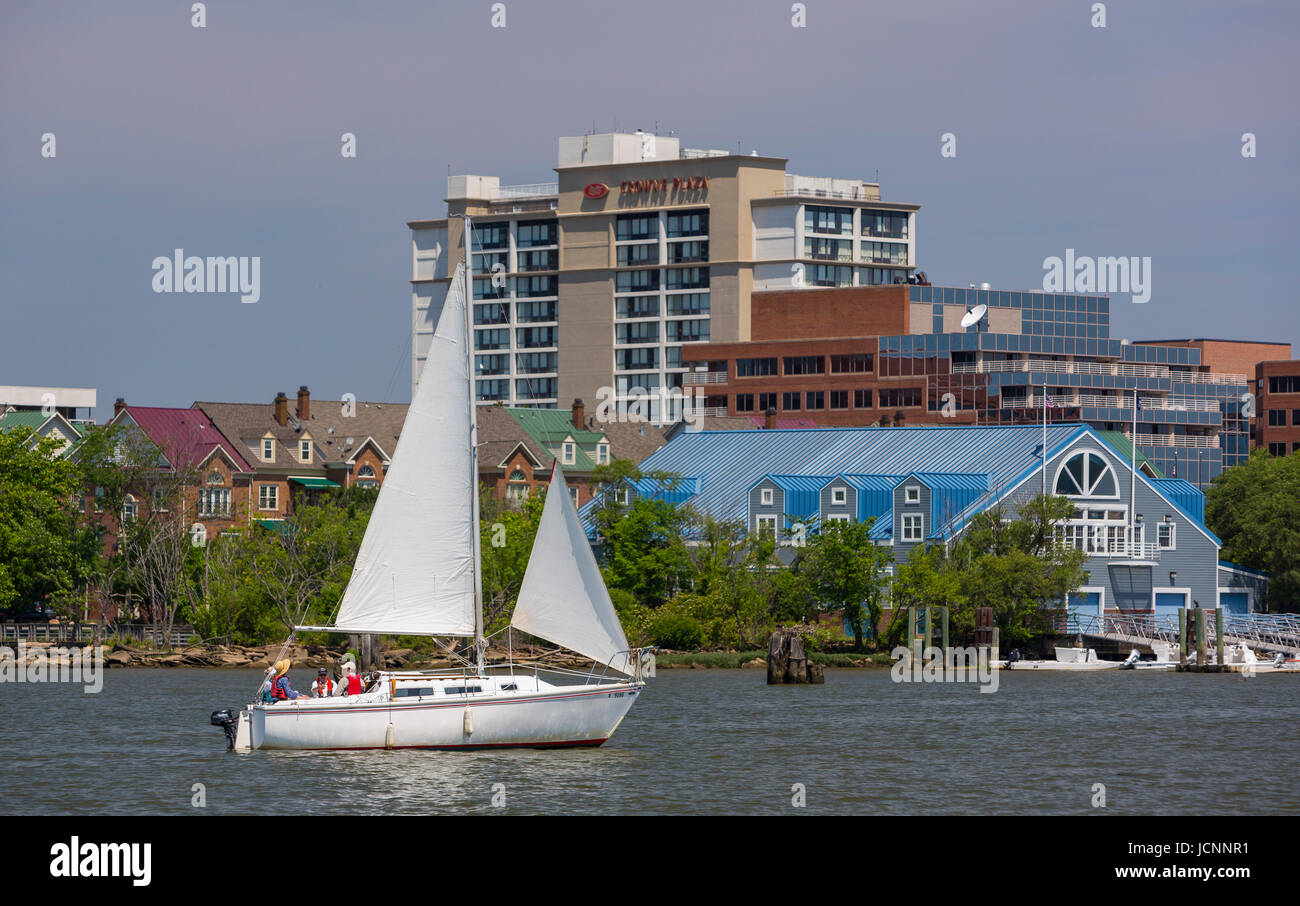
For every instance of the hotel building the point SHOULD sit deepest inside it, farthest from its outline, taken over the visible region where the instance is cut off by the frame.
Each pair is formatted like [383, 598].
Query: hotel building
[639, 249]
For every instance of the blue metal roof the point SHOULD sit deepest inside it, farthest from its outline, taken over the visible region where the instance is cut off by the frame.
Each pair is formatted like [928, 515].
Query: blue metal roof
[802, 492]
[674, 492]
[875, 495]
[1185, 494]
[951, 493]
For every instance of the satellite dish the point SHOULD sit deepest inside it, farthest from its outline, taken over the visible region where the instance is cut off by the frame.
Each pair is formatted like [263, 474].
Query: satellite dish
[973, 315]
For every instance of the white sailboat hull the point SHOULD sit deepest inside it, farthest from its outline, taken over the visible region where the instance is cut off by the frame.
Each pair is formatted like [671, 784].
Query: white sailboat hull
[558, 716]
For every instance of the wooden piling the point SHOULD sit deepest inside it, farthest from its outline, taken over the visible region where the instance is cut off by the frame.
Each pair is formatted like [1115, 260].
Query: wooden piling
[1218, 638]
[1182, 637]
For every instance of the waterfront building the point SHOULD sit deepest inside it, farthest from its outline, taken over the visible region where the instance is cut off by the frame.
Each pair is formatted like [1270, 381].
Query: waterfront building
[596, 285]
[1278, 409]
[1148, 548]
[881, 354]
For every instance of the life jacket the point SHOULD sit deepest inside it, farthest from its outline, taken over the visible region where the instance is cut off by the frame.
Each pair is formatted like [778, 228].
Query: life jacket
[277, 691]
[354, 684]
[325, 689]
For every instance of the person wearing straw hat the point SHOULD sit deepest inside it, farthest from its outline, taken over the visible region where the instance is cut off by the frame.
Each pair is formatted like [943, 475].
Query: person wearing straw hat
[281, 690]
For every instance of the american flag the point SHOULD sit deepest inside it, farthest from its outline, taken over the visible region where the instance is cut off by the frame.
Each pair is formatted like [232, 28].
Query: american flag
[1048, 400]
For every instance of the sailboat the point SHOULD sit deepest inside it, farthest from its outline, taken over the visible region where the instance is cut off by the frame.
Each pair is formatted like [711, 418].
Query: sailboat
[418, 573]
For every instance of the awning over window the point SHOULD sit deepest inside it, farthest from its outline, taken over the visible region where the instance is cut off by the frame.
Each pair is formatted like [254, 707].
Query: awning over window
[279, 526]
[314, 482]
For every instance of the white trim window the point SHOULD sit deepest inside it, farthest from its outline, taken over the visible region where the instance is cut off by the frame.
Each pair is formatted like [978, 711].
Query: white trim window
[602, 454]
[839, 496]
[1166, 536]
[912, 494]
[268, 497]
[129, 508]
[912, 527]
[839, 517]
[304, 450]
[1086, 474]
[766, 497]
[765, 525]
[214, 501]
[268, 449]
[569, 452]
[573, 494]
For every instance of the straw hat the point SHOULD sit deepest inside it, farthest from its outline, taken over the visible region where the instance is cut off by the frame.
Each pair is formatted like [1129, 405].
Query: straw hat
[282, 666]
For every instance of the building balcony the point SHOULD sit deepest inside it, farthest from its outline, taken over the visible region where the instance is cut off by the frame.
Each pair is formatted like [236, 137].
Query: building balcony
[1120, 369]
[1125, 401]
[1201, 441]
[696, 378]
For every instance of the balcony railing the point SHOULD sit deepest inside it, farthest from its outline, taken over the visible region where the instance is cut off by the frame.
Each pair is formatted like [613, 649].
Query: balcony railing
[1125, 369]
[1209, 442]
[1178, 404]
[530, 190]
[704, 377]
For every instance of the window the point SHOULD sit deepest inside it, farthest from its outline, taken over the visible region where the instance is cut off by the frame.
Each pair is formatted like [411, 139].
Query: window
[536, 388]
[214, 477]
[159, 500]
[766, 401]
[497, 338]
[744, 402]
[884, 224]
[912, 527]
[688, 252]
[1277, 449]
[839, 496]
[533, 337]
[536, 362]
[1166, 536]
[1276, 417]
[214, 502]
[568, 453]
[688, 331]
[638, 255]
[636, 281]
[526, 312]
[1285, 384]
[766, 525]
[838, 221]
[899, 397]
[531, 233]
[602, 453]
[637, 332]
[573, 494]
[492, 390]
[638, 306]
[755, 367]
[491, 236]
[637, 358]
[540, 260]
[765, 496]
[1086, 475]
[820, 248]
[268, 497]
[688, 223]
[366, 478]
[912, 494]
[268, 449]
[637, 226]
[790, 401]
[805, 364]
[883, 253]
[527, 287]
[99, 500]
[838, 517]
[688, 304]
[129, 508]
[815, 399]
[839, 399]
[858, 363]
[688, 278]
[492, 364]
[861, 399]
[304, 450]
[829, 275]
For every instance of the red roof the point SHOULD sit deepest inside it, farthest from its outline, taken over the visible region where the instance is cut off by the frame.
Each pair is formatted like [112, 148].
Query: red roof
[186, 437]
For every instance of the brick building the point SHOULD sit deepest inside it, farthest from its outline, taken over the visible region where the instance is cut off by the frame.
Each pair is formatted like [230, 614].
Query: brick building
[1277, 415]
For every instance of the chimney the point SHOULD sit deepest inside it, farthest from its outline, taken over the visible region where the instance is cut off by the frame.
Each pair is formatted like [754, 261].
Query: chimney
[304, 403]
[118, 405]
[899, 418]
[769, 418]
[579, 411]
[281, 409]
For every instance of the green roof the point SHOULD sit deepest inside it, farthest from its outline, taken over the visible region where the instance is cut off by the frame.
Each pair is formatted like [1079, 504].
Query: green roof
[1117, 440]
[28, 419]
[307, 482]
[549, 428]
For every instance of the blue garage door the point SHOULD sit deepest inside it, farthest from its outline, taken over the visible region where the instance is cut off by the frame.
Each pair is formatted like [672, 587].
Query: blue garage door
[1167, 606]
[1082, 604]
[1234, 602]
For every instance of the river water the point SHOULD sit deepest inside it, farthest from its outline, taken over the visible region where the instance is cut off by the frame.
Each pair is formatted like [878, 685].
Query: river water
[697, 741]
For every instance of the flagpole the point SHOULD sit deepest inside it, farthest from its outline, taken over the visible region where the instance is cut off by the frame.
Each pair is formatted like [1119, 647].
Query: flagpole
[1044, 434]
[1132, 487]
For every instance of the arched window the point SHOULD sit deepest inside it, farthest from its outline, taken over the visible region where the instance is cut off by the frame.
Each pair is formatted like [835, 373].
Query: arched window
[129, 508]
[366, 472]
[1086, 474]
[214, 477]
[517, 475]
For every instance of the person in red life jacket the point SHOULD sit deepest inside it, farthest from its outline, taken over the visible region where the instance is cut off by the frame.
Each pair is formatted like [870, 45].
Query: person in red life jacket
[281, 690]
[350, 684]
[322, 686]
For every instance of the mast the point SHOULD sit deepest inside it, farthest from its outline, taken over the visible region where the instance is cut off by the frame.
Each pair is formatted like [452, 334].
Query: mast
[475, 541]
[1044, 470]
[1132, 479]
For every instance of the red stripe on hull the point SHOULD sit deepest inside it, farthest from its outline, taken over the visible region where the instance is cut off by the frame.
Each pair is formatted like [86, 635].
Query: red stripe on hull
[575, 743]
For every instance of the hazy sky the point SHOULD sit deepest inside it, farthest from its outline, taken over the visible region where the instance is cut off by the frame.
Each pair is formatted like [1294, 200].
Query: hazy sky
[225, 140]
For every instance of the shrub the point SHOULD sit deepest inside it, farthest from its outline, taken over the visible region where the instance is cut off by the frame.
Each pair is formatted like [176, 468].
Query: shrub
[677, 631]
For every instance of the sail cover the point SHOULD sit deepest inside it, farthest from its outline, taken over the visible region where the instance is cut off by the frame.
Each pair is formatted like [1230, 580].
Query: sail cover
[563, 598]
[414, 574]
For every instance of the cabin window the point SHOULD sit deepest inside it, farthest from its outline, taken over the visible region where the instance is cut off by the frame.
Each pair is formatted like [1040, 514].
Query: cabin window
[839, 496]
[912, 494]
[1165, 536]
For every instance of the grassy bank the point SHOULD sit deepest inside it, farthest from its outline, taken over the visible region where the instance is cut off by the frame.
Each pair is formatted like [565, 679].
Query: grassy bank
[739, 658]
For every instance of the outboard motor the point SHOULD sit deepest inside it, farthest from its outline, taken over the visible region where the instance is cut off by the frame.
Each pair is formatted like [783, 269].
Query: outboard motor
[1279, 659]
[226, 721]
[1133, 658]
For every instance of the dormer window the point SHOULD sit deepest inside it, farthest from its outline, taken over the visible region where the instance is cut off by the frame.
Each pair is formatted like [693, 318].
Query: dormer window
[568, 451]
[268, 449]
[839, 496]
[912, 494]
[912, 530]
[765, 497]
[602, 453]
[304, 450]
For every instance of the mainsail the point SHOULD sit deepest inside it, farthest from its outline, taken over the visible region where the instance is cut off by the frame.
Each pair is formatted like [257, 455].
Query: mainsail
[414, 574]
[563, 598]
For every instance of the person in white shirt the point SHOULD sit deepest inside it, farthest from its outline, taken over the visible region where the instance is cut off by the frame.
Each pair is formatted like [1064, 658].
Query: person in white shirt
[322, 686]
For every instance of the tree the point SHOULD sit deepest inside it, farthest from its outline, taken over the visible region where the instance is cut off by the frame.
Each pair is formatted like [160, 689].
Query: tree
[926, 579]
[506, 544]
[845, 570]
[644, 548]
[44, 555]
[1252, 508]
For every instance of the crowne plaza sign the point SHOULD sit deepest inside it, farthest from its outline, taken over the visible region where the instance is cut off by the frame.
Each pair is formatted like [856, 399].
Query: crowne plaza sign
[675, 184]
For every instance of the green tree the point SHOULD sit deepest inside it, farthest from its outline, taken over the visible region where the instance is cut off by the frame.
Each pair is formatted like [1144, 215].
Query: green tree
[44, 554]
[1252, 508]
[644, 549]
[845, 570]
[506, 544]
